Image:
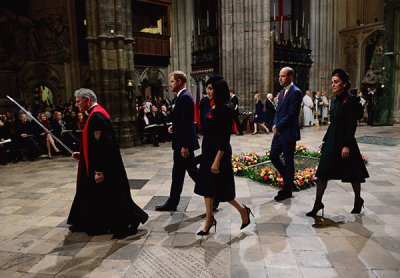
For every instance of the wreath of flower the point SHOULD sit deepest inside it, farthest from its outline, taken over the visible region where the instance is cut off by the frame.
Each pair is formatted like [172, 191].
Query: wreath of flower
[244, 165]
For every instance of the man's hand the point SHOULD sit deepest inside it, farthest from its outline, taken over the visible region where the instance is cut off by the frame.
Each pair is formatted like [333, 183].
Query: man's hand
[275, 131]
[345, 152]
[185, 152]
[76, 155]
[98, 177]
[170, 130]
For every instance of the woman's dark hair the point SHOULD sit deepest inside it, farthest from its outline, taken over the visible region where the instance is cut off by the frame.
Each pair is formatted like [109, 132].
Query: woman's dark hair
[213, 79]
[344, 76]
[221, 93]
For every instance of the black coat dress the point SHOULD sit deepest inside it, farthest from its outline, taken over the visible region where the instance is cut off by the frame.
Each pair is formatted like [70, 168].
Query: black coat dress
[217, 135]
[107, 206]
[341, 132]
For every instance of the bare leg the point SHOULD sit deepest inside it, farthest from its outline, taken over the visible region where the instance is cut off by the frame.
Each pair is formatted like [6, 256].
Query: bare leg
[255, 128]
[265, 128]
[48, 147]
[241, 209]
[51, 140]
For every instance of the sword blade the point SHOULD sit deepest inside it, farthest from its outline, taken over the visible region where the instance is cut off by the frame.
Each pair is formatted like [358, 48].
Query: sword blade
[40, 124]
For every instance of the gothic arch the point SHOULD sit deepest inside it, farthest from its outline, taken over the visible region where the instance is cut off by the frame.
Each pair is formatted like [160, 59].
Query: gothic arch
[372, 54]
[40, 74]
[351, 54]
[152, 82]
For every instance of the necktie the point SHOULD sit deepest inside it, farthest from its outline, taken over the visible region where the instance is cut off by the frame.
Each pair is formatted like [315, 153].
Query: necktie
[284, 95]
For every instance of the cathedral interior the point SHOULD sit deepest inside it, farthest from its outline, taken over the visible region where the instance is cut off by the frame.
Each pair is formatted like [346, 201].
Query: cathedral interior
[125, 49]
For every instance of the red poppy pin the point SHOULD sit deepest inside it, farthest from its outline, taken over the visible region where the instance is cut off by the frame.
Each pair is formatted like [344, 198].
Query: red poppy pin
[345, 100]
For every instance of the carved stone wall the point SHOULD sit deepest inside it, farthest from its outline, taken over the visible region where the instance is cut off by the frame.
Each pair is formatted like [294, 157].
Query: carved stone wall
[246, 48]
[110, 46]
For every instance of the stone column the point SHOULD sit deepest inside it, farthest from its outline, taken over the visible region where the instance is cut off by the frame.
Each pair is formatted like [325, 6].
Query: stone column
[323, 38]
[111, 62]
[245, 48]
[181, 36]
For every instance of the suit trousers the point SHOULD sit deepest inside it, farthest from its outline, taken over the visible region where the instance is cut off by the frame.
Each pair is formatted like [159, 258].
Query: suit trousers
[181, 165]
[237, 122]
[285, 168]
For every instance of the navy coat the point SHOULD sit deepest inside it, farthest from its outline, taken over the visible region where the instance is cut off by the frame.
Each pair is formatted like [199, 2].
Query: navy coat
[287, 115]
[183, 126]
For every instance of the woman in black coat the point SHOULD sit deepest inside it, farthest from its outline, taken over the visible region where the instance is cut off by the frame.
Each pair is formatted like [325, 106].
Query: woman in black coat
[341, 158]
[216, 180]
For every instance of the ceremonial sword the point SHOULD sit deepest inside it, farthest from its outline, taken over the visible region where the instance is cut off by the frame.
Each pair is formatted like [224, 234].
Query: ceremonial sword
[42, 126]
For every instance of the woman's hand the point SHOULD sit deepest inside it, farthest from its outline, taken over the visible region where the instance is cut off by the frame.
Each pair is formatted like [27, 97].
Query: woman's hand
[345, 152]
[215, 167]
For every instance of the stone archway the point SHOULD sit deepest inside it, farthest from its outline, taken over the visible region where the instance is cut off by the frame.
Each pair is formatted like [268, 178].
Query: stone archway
[152, 82]
[40, 74]
[351, 50]
[372, 56]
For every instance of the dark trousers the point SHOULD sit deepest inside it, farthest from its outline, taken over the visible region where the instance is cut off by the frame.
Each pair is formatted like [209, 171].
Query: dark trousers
[181, 165]
[237, 122]
[285, 168]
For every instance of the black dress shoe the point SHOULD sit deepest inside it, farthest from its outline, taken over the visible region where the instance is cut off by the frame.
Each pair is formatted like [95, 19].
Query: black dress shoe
[130, 231]
[166, 207]
[283, 196]
[76, 229]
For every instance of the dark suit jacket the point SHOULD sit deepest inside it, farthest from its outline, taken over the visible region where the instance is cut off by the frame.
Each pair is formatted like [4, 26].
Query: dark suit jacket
[287, 114]
[183, 127]
[235, 104]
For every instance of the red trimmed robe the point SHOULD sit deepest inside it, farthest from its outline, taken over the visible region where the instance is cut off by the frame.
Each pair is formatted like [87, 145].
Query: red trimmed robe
[107, 206]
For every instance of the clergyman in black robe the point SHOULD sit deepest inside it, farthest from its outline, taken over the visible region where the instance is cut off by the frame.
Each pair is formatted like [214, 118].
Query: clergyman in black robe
[103, 202]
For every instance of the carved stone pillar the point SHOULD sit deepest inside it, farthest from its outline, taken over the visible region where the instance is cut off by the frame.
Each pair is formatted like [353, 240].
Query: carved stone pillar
[245, 48]
[181, 36]
[324, 32]
[110, 46]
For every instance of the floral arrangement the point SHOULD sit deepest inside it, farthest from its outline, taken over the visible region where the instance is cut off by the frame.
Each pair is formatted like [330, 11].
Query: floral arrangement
[241, 162]
[302, 150]
[245, 164]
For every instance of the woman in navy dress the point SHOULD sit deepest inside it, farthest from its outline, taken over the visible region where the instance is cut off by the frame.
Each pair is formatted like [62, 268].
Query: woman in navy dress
[341, 158]
[216, 180]
[259, 117]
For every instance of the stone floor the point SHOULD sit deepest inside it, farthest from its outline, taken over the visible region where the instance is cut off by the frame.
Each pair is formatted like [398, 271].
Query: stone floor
[281, 241]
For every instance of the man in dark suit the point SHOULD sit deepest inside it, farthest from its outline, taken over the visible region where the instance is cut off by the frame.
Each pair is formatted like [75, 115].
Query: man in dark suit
[286, 131]
[235, 104]
[184, 139]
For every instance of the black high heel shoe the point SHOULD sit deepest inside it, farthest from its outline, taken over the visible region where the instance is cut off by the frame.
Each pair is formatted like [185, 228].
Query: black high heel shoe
[248, 210]
[204, 233]
[358, 203]
[316, 208]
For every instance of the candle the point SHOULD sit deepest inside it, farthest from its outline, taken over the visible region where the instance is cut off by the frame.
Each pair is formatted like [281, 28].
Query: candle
[316, 105]
[303, 21]
[297, 28]
[281, 24]
[274, 11]
[208, 20]
[198, 26]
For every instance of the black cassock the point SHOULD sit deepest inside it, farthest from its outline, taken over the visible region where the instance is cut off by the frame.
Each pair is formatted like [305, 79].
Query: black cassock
[106, 206]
